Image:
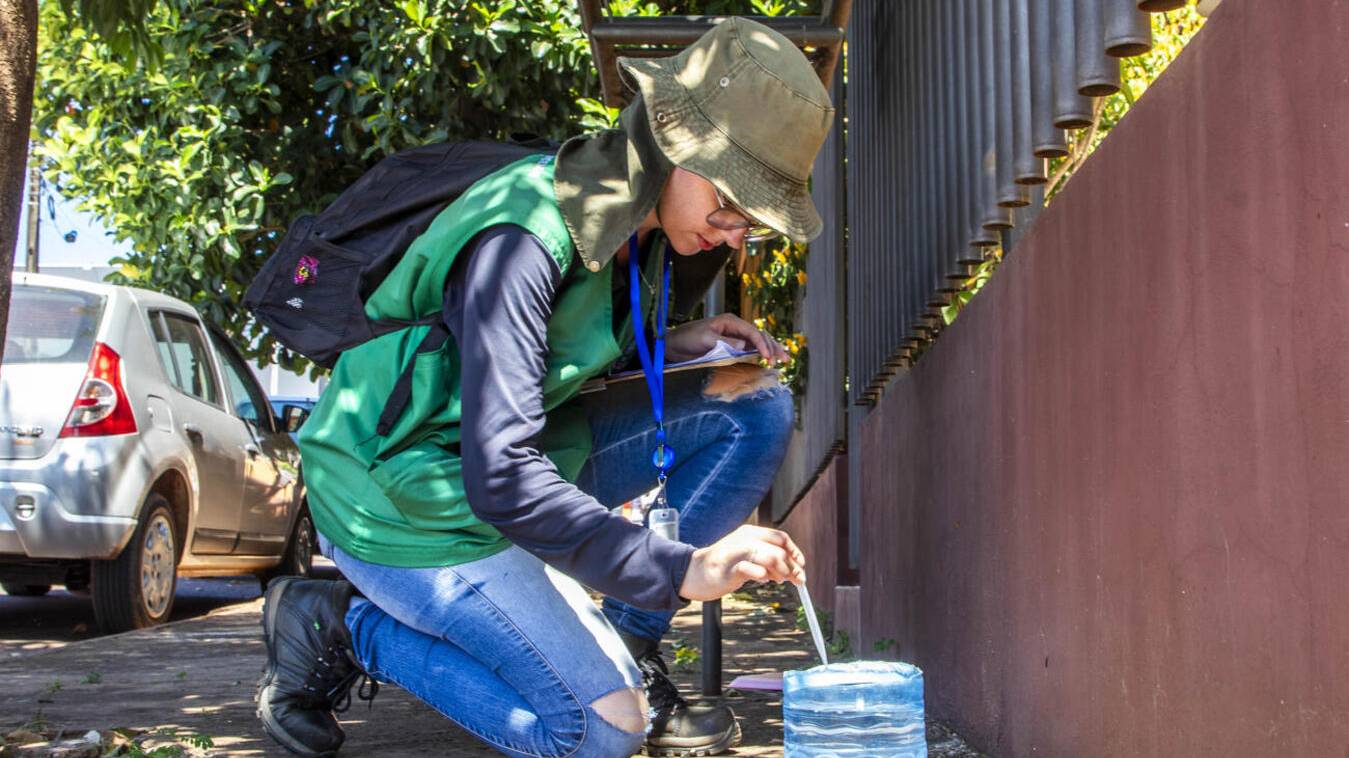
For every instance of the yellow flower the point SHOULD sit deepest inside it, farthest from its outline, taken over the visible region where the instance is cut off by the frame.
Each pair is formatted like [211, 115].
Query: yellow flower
[801, 278]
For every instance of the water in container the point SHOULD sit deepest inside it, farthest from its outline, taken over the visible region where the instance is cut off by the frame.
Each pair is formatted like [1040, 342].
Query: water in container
[860, 709]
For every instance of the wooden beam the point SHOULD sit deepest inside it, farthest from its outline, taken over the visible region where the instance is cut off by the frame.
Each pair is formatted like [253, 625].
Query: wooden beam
[821, 38]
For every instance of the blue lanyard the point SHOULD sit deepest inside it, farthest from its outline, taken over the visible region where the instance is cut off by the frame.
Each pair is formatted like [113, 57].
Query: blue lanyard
[653, 366]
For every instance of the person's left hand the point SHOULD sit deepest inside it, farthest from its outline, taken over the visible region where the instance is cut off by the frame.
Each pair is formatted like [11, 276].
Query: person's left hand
[688, 341]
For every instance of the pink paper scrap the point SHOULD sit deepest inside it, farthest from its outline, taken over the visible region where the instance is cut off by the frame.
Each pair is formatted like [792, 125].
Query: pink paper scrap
[767, 682]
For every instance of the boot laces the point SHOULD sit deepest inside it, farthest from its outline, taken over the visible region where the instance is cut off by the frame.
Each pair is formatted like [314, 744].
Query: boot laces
[661, 693]
[328, 684]
[366, 691]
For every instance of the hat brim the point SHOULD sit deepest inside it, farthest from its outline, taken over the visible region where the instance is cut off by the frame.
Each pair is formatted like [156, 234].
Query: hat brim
[694, 143]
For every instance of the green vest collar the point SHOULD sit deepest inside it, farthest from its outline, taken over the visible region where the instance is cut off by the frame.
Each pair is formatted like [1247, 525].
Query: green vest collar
[607, 182]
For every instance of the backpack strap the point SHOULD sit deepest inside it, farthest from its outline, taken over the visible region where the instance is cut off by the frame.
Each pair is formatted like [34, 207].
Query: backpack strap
[435, 339]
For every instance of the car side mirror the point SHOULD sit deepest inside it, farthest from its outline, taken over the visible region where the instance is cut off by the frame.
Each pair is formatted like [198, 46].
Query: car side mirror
[292, 416]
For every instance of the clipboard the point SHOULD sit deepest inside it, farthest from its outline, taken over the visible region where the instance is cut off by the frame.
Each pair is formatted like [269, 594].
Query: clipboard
[721, 354]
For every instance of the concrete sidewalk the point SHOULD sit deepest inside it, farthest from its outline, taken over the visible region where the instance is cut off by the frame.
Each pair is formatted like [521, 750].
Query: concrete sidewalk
[197, 677]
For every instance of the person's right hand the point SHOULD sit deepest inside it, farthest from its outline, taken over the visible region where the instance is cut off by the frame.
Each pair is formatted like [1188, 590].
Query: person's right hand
[750, 553]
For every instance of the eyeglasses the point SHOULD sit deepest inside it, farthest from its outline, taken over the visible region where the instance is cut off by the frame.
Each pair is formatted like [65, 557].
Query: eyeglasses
[729, 218]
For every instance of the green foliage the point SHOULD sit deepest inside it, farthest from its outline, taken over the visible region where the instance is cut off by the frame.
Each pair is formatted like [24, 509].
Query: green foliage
[128, 743]
[836, 641]
[774, 285]
[261, 110]
[121, 26]
[971, 286]
[685, 655]
[838, 645]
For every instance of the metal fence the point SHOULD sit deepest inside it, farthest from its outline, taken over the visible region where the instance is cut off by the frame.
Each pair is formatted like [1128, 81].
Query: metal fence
[952, 109]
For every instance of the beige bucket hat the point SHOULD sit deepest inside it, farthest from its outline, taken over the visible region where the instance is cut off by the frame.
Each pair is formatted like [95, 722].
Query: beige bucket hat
[744, 109]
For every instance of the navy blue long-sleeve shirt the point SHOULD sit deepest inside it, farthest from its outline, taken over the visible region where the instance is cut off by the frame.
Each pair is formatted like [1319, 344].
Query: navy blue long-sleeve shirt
[498, 301]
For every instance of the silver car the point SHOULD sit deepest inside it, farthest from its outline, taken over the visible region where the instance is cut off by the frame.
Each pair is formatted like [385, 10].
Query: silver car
[136, 446]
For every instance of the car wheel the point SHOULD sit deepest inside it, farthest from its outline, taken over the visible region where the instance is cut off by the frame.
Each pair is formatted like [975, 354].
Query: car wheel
[135, 589]
[26, 590]
[298, 560]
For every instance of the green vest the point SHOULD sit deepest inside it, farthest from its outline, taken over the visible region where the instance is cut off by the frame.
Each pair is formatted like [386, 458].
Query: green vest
[399, 499]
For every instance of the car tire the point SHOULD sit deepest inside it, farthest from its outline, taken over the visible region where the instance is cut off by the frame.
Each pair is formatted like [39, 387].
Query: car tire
[135, 590]
[26, 590]
[298, 560]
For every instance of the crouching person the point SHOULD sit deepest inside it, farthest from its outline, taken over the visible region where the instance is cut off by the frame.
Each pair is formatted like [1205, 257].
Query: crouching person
[467, 525]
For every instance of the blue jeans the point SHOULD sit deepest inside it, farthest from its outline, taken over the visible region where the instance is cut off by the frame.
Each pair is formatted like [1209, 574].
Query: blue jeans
[727, 453]
[515, 652]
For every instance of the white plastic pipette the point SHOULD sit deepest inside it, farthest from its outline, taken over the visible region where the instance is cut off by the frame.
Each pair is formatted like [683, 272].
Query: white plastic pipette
[813, 621]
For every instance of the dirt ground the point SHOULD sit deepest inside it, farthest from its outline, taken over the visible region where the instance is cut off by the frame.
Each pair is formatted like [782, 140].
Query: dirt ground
[195, 678]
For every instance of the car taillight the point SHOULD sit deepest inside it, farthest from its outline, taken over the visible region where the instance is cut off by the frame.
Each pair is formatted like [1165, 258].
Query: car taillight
[101, 408]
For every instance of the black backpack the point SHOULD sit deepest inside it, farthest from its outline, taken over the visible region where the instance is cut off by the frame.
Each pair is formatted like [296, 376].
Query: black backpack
[312, 291]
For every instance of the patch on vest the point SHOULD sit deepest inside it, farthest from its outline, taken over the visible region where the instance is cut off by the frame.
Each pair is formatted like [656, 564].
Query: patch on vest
[306, 271]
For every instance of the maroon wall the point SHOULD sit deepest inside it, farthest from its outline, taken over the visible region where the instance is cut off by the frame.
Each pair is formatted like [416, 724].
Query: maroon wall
[813, 525]
[1108, 513]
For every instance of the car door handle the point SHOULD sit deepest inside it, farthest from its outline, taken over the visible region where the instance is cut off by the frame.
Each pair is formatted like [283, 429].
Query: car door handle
[192, 430]
[252, 450]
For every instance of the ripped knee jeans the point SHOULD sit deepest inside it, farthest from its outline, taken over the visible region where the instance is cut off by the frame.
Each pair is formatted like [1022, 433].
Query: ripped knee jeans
[511, 650]
[729, 429]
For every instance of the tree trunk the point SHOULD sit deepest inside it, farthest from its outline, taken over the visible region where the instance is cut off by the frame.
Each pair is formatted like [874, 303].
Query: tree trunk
[18, 60]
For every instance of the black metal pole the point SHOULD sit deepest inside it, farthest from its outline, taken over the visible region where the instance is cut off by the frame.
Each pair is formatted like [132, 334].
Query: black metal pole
[712, 648]
[1128, 31]
[1010, 195]
[1029, 169]
[1097, 73]
[980, 186]
[948, 166]
[965, 253]
[995, 216]
[1157, 6]
[1047, 140]
[1072, 110]
[936, 219]
[908, 283]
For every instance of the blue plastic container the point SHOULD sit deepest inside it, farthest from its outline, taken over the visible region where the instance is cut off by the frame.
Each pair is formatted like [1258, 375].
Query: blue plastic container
[862, 709]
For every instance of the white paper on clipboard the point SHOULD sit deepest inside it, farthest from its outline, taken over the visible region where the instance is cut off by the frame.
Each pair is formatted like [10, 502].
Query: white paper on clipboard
[721, 354]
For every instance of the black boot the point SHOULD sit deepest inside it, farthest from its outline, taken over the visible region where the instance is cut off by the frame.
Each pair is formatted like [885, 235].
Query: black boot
[310, 666]
[678, 728]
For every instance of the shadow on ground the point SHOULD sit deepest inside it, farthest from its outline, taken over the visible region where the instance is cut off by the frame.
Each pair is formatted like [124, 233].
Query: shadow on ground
[196, 678]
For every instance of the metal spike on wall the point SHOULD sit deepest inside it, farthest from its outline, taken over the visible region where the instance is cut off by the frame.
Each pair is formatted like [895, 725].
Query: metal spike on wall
[954, 108]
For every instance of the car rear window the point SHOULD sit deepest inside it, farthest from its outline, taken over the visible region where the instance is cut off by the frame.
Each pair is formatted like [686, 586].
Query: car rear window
[182, 350]
[50, 325]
